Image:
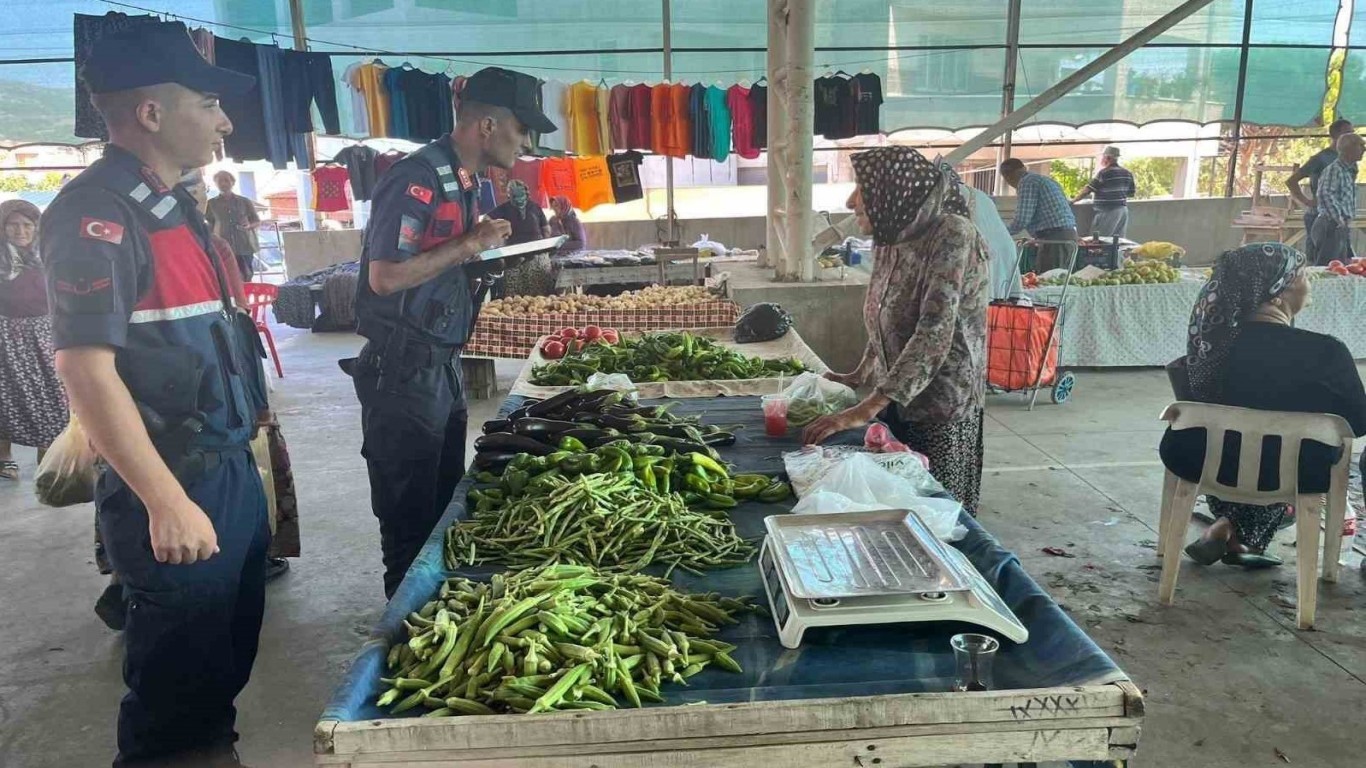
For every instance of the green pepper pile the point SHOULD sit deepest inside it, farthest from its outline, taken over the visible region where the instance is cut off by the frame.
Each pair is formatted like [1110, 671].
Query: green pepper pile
[662, 357]
[557, 638]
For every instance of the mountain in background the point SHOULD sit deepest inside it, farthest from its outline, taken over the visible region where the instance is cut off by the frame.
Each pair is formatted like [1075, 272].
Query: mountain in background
[30, 113]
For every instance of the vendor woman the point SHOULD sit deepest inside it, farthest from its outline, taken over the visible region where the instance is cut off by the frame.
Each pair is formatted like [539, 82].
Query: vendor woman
[925, 314]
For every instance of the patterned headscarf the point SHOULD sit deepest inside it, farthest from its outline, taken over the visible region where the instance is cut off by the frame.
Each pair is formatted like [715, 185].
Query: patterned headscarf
[14, 259]
[903, 191]
[1243, 280]
[518, 194]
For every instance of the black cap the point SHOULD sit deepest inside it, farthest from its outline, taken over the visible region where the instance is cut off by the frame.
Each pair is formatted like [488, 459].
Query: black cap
[157, 53]
[514, 90]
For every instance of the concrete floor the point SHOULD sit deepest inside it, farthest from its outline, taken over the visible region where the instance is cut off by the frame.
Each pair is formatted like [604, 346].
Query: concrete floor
[1228, 680]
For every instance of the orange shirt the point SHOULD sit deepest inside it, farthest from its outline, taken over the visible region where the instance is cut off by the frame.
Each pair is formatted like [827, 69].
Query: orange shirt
[681, 141]
[661, 119]
[559, 179]
[594, 186]
[371, 84]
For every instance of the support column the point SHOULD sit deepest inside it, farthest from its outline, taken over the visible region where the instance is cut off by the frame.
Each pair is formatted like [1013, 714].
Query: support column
[670, 217]
[777, 143]
[1238, 101]
[1008, 87]
[799, 261]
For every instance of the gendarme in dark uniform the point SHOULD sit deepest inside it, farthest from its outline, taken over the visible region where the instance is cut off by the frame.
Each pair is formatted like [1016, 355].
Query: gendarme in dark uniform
[420, 288]
[131, 279]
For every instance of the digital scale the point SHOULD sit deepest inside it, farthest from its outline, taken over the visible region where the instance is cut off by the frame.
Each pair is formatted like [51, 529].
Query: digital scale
[877, 567]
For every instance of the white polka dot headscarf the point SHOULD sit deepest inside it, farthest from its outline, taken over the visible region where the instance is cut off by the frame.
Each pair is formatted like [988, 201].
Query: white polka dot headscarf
[903, 191]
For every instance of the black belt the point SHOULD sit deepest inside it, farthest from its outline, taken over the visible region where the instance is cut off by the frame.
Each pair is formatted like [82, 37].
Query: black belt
[415, 354]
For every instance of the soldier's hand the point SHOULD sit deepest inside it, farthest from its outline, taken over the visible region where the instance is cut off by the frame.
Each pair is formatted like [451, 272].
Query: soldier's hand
[181, 533]
[491, 233]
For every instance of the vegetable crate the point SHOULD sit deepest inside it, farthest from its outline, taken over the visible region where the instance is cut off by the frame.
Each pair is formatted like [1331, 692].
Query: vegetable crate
[508, 337]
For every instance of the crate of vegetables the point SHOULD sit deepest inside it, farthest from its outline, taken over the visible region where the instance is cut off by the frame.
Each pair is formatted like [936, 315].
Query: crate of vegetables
[511, 327]
[677, 363]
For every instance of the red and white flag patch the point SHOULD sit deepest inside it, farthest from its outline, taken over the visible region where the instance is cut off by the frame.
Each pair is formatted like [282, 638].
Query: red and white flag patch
[99, 229]
[419, 192]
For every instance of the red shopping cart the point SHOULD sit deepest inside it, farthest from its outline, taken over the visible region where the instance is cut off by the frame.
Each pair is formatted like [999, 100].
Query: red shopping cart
[1023, 342]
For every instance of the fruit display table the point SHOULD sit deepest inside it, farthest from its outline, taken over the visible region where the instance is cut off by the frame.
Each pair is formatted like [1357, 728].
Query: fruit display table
[1146, 325]
[859, 695]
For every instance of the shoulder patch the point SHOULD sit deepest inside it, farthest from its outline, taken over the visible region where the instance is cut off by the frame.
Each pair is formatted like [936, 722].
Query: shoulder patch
[419, 192]
[99, 229]
[409, 234]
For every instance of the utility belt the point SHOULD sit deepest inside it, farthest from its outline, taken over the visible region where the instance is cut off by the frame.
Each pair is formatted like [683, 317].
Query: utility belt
[174, 442]
[395, 355]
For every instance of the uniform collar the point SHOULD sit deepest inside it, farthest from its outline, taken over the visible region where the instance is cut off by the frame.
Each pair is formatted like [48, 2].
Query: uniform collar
[463, 176]
[125, 160]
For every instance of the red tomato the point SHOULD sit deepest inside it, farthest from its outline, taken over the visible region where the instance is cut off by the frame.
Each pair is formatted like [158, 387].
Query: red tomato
[591, 333]
[569, 333]
[877, 436]
[611, 336]
[552, 350]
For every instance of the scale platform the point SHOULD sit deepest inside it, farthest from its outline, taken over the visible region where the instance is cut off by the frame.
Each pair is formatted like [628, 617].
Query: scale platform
[878, 567]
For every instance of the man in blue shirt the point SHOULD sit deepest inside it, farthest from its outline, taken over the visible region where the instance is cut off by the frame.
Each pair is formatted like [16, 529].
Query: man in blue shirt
[1044, 212]
[1112, 187]
[1336, 198]
[1313, 169]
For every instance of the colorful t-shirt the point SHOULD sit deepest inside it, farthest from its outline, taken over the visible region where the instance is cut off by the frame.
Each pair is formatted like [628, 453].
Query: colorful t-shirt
[583, 119]
[604, 126]
[619, 116]
[593, 182]
[640, 131]
[718, 114]
[558, 179]
[701, 123]
[625, 172]
[758, 110]
[742, 122]
[329, 189]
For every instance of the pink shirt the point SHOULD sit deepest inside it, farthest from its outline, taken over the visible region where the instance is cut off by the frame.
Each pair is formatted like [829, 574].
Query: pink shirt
[741, 122]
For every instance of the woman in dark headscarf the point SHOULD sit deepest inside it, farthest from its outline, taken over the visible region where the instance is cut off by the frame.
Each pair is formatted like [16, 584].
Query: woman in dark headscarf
[926, 317]
[1243, 351]
[33, 408]
[533, 277]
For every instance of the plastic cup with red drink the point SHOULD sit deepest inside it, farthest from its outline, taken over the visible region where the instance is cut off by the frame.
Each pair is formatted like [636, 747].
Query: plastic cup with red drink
[775, 415]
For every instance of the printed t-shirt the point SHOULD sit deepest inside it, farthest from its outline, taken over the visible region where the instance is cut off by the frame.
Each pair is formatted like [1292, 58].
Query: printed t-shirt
[553, 105]
[742, 125]
[593, 182]
[619, 116]
[526, 171]
[719, 116]
[867, 104]
[624, 168]
[583, 118]
[758, 110]
[558, 179]
[640, 127]
[329, 189]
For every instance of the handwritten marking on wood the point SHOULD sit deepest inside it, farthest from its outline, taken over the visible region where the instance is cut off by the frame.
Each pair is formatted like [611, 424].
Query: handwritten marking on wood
[1042, 706]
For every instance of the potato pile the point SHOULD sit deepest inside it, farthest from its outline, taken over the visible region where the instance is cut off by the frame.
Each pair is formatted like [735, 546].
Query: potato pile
[653, 297]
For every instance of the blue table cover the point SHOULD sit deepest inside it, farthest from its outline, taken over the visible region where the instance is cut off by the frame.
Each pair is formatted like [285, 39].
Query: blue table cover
[832, 661]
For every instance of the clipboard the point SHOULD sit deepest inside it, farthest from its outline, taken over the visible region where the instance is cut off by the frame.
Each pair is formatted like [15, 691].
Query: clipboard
[532, 248]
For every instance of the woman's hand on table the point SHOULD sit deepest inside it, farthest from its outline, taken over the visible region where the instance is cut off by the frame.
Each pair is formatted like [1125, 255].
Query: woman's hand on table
[850, 418]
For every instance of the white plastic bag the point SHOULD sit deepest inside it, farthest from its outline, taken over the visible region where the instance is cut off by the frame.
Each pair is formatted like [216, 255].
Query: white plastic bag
[811, 396]
[706, 247]
[858, 483]
[619, 382]
[66, 475]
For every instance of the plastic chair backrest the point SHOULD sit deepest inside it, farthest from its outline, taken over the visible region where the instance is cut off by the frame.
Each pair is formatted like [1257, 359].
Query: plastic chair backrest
[260, 296]
[1252, 425]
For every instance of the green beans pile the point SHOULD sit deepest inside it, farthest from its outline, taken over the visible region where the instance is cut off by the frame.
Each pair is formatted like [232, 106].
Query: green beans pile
[606, 520]
[556, 638]
[662, 357]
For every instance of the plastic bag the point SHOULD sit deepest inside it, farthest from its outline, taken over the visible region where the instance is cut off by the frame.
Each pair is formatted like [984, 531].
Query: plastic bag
[858, 483]
[66, 476]
[706, 247]
[619, 382]
[811, 396]
[762, 322]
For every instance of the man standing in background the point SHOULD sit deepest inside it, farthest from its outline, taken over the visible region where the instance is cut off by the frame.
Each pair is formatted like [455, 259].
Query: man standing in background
[233, 218]
[1336, 196]
[1312, 170]
[1112, 187]
[1043, 211]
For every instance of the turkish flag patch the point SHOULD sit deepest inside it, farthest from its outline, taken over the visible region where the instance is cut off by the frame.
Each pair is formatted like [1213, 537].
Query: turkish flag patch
[99, 229]
[419, 192]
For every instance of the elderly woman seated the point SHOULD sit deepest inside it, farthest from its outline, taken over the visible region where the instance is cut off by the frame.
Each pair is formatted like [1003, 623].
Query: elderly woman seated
[1243, 351]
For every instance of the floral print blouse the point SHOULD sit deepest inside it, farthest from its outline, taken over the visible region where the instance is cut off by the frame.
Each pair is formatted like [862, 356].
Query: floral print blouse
[926, 313]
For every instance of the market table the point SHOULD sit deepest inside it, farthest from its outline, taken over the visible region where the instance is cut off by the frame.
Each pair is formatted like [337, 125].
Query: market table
[858, 696]
[1146, 325]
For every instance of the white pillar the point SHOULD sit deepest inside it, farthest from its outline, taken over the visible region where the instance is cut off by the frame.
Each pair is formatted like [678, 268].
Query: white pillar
[303, 185]
[777, 120]
[800, 261]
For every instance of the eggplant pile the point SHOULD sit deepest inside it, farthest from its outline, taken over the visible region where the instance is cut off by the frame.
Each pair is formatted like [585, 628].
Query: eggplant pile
[578, 422]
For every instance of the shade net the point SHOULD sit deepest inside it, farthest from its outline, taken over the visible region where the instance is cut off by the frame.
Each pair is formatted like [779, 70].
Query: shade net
[942, 64]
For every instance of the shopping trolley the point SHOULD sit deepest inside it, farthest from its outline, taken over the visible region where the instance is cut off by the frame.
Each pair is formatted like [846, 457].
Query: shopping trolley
[1023, 339]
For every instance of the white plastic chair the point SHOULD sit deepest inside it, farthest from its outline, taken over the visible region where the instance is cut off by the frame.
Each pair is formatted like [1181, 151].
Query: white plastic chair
[1178, 496]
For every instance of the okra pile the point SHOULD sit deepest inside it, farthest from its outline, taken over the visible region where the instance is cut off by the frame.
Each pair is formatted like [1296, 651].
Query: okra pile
[611, 521]
[670, 356]
[555, 638]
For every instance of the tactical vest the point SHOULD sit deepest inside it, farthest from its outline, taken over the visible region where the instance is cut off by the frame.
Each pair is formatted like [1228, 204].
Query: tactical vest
[442, 310]
[185, 354]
